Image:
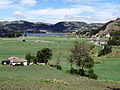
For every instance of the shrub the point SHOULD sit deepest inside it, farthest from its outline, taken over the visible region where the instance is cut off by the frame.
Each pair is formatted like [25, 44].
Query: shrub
[81, 72]
[106, 50]
[34, 59]
[59, 67]
[28, 57]
[55, 66]
[92, 75]
[44, 55]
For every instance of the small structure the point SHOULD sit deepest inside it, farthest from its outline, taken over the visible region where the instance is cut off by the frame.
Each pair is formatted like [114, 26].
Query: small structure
[40, 63]
[98, 41]
[15, 61]
[108, 35]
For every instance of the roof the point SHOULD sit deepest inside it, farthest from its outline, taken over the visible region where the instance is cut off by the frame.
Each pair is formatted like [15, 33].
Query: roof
[16, 59]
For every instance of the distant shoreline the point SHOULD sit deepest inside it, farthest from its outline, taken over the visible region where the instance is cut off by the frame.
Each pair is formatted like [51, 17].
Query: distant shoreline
[44, 34]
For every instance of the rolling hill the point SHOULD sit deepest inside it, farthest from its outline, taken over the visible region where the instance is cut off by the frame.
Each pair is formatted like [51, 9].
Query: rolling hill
[24, 26]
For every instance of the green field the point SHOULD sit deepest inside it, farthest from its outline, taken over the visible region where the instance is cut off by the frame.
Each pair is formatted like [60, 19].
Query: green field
[44, 77]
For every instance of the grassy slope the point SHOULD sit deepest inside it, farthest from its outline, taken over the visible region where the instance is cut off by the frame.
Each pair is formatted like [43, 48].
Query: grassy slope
[37, 78]
[109, 69]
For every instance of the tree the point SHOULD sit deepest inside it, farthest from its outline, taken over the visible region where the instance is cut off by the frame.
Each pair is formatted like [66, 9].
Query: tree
[28, 57]
[44, 55]
[80, 56]
[34, 59]
[71, 61]
[115, 40]
[12, 34]
[106, 50]
[91, 74]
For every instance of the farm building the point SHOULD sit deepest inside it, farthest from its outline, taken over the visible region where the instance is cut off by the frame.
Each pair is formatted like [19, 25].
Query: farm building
[98, 41]
[15, 61]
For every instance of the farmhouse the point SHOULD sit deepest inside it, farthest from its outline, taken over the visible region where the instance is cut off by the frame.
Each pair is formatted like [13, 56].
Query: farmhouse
[15, 61]
[98, 41]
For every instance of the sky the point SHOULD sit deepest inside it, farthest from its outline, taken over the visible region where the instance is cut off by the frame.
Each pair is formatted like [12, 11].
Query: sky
[53, 11]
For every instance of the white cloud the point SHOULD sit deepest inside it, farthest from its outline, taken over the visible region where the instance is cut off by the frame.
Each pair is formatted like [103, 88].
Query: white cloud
[29, 2]
[96, 13]
[18, 15]
[72, 1]
[5, 3]
[107, 11]
[78, 11]
[62, 11]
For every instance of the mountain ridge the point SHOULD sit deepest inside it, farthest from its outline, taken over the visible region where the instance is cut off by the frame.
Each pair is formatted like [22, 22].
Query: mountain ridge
[64, 26]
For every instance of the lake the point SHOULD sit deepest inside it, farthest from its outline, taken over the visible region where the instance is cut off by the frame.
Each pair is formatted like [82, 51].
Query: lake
[44, 34]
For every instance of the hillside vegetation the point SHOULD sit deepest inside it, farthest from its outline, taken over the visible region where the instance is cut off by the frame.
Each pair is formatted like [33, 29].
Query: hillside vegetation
[107, 67]
[46, 78]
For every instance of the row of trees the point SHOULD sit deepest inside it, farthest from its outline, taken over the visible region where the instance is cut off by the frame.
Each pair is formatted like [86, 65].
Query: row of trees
[80, 57]
[42, 56]
[11, 34]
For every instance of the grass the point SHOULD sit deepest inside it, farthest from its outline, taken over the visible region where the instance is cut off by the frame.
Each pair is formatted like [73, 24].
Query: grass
[109, 69]
[36, 77]
[44, 78]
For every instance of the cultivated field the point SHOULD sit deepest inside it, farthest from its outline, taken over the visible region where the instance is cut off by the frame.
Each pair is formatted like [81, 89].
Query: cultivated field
[44, 77]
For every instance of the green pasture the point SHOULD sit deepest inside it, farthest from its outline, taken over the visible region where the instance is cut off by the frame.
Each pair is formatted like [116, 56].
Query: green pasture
[107, 67]
[45, 78]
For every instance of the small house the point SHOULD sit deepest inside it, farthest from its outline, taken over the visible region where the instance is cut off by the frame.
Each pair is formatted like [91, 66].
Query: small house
[17, 61]
[14, 61]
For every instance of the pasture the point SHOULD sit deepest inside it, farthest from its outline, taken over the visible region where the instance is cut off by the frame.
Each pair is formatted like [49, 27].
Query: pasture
[34, 77]
[46, 78]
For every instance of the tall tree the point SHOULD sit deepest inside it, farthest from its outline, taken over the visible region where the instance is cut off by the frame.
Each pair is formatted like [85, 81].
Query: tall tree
[80, 56]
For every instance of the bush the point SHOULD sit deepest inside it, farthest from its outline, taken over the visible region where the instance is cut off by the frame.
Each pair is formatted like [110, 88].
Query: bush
[55, 66]
[92, 75]
[72, 70]
[44, 55]
[106, 50]
[81, 72]
[59, 67]
[115, 40]
[28, 57]
[100, 53]
[34, 59]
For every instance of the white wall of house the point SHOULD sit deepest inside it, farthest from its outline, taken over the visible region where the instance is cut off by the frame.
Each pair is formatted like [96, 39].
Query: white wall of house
[4, 63]
[108, 35]
[13, 63]
[40, 63]
[25, 63]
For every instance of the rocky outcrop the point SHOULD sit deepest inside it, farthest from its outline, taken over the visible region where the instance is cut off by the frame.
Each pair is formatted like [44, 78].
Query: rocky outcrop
[115, 25]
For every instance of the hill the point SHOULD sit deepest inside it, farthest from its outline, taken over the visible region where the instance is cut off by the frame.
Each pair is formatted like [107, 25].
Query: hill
[108, 27]
[46, 78]
[66, 26]
[114, 25]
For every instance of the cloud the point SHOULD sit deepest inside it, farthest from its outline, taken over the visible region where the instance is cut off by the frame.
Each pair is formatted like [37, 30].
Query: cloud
[72, 1]
[62, 11]
[5, 3]
[18, 15]
[28, 2]
[107, 11]
[77, 10]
